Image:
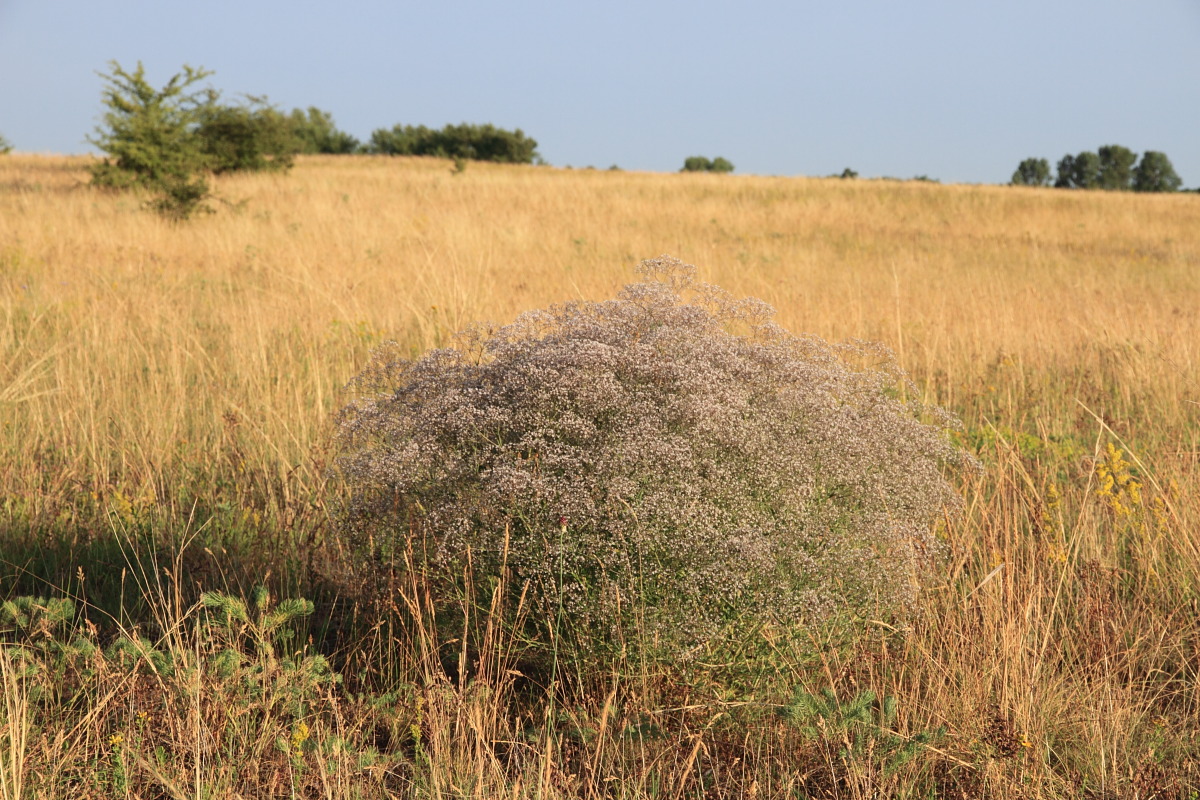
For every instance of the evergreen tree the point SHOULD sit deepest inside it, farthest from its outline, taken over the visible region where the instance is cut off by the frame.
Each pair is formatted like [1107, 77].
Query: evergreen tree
[148, 134]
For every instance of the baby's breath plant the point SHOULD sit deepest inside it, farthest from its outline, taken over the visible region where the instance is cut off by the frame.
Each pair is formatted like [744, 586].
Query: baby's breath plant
[655, 471]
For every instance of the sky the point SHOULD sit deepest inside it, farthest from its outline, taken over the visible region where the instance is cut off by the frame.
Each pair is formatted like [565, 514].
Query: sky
[958, 90]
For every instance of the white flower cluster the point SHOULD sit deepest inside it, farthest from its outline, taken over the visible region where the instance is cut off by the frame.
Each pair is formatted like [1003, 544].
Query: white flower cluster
[669, 460]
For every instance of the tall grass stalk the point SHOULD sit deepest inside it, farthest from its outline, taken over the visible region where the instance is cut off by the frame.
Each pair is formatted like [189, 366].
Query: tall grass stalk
[14, 727]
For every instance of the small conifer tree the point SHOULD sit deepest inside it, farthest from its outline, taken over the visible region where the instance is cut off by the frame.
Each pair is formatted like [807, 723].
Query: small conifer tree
[150, 140]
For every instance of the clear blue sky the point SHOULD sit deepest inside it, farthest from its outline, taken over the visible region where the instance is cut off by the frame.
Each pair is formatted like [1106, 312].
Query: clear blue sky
[955, 89]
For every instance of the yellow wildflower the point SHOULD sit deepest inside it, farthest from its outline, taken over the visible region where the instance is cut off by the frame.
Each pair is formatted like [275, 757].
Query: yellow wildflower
[1116, 484]
[299, 736]
[1053, 498]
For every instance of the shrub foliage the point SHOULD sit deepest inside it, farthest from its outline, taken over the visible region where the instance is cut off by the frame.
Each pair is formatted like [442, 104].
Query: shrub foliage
[149, 137]
[169, 140]
[656, 471]
[315, 132]
[705, 164]
[250, 137]
[474, 142]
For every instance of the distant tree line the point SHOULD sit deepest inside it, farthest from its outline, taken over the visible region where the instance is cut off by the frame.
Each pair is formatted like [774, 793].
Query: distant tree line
[1112, 167]
[169, 140]
[473, 142]
[703, 164]
[5, 147]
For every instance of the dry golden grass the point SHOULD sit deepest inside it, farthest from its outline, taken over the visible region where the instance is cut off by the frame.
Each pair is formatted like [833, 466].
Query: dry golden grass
[126, 338]
[150, 369]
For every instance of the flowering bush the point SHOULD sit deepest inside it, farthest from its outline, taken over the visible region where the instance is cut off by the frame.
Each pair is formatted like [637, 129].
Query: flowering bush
[655, 470]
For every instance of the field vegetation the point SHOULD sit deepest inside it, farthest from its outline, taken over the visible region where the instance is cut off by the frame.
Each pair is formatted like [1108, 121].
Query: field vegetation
[173, 605]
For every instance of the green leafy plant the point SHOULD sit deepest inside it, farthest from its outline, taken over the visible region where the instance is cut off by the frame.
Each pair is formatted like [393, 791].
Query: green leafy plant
[34, 633]
[133, 650]
[240, 659]
[859, 728]
[254, 651]
[36, 617]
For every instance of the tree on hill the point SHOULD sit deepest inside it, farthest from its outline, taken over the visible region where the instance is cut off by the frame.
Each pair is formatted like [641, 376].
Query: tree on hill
[1079, 172]
[149, 138]
[169, 140]
[1116, 167]
[5, 147]
[250, 137]
[1032, 172]
[1155, 174]
[703, 164]
[148, 134]
[1111, 168]
[467, 141]
[315, 132]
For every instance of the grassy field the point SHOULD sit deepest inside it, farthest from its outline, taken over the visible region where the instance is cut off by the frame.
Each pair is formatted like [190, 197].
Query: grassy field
[166, 399]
